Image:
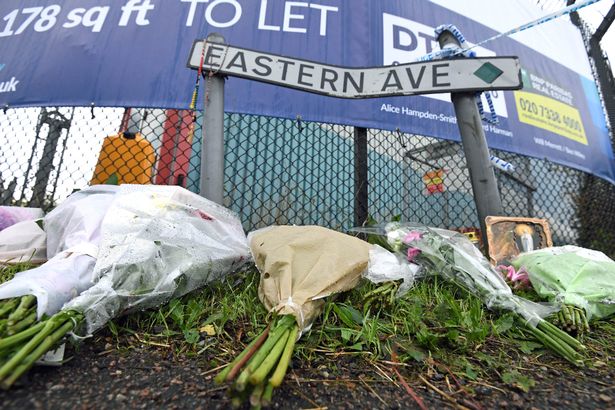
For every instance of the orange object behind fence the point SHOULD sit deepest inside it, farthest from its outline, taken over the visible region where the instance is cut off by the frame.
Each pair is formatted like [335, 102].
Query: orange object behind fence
[129, 156]
[434, 181]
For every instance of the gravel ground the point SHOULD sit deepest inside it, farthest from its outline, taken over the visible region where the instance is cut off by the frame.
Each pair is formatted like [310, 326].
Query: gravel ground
[99, 376]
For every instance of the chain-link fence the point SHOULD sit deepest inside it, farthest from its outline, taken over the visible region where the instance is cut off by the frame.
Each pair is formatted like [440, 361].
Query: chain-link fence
[284, 171]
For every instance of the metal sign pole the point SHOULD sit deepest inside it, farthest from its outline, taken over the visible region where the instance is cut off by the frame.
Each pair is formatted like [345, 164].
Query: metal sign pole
[361, 197]
[211, 184]
[484, 184]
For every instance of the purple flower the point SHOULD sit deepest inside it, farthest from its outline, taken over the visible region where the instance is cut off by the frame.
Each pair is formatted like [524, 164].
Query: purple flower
[413, 253]
[412, 236]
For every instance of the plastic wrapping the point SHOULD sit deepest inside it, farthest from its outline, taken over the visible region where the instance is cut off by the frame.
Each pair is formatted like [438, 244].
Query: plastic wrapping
[78, 219]
[158, 243]
[453, 257]
[23, 242]
[10, 215]
[73, 235]
[57, 281]
[385, 266]
[574, 276]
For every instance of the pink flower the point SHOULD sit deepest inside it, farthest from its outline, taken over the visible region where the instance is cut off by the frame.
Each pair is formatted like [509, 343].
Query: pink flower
[507, 271]
[412, 236]
[520, 279]
[202, 215]
[413, 253]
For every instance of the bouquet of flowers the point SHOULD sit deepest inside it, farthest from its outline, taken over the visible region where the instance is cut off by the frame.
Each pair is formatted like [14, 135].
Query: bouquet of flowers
[157, 243]
[453, 257]
[583, 280]
[299, 266]
[71, 243]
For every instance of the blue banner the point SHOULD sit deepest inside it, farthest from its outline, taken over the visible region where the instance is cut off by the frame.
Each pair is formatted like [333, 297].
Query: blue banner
[133, 53]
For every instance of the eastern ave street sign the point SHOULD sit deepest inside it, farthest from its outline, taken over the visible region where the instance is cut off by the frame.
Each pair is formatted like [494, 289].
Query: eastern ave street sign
[451, 75]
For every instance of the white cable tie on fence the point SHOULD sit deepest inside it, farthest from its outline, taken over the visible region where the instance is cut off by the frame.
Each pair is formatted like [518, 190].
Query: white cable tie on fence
[501, 164]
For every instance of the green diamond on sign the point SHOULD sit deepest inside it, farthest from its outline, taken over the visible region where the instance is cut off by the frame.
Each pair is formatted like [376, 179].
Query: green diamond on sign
[488, 73]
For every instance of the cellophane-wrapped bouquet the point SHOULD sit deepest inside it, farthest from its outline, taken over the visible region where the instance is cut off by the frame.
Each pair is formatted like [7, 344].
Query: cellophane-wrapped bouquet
[157, 243]
[452, 256]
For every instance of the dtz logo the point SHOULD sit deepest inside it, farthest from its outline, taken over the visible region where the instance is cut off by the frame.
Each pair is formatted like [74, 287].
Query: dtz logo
[404, 41]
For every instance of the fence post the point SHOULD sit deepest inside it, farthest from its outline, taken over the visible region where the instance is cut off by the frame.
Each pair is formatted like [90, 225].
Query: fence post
[484, 184]
[211, 184]
[360, 176]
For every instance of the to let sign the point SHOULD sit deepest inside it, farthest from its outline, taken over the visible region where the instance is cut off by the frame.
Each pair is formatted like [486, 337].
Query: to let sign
[438, 76]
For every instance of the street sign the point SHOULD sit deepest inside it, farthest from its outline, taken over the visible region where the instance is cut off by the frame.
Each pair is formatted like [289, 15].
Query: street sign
[438, 76]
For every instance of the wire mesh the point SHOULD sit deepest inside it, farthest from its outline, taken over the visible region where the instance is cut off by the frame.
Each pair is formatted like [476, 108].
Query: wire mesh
[289, 172]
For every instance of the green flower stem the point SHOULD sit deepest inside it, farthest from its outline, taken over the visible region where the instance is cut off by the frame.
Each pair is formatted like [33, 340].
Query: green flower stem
[256, 396]
[50, 326]
[22, 324]
[15, 339]
[8, 307]
[280, 371]
[566, 313]
[267, 394]
[262, 353]
[577, 318]
[43, 348]
[585, 321]
[258, 376]
[230, 371]
[570, 353]
[22, 310]
[560, 348]
[560, 334]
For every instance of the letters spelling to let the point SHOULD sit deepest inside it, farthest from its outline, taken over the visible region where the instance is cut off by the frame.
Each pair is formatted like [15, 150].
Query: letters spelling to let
[294, 18]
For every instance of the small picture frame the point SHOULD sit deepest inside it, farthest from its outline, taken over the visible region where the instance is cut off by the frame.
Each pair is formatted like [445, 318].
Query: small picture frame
[507, 237]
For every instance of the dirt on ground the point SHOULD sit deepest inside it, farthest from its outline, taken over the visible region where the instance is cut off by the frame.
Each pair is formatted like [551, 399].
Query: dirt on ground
[101, 376]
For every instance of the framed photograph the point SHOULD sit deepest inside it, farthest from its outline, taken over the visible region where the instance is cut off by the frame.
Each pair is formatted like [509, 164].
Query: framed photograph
[507, 237]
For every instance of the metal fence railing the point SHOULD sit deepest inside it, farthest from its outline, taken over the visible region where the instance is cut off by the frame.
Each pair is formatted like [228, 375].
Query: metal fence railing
[283, 171]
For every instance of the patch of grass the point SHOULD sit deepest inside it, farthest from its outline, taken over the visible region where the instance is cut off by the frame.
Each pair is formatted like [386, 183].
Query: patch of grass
[435, 324]
[217, 316]
[600, 341]
[433, 319]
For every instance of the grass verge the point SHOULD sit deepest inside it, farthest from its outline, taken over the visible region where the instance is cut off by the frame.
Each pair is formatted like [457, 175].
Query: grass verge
[436, 327]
